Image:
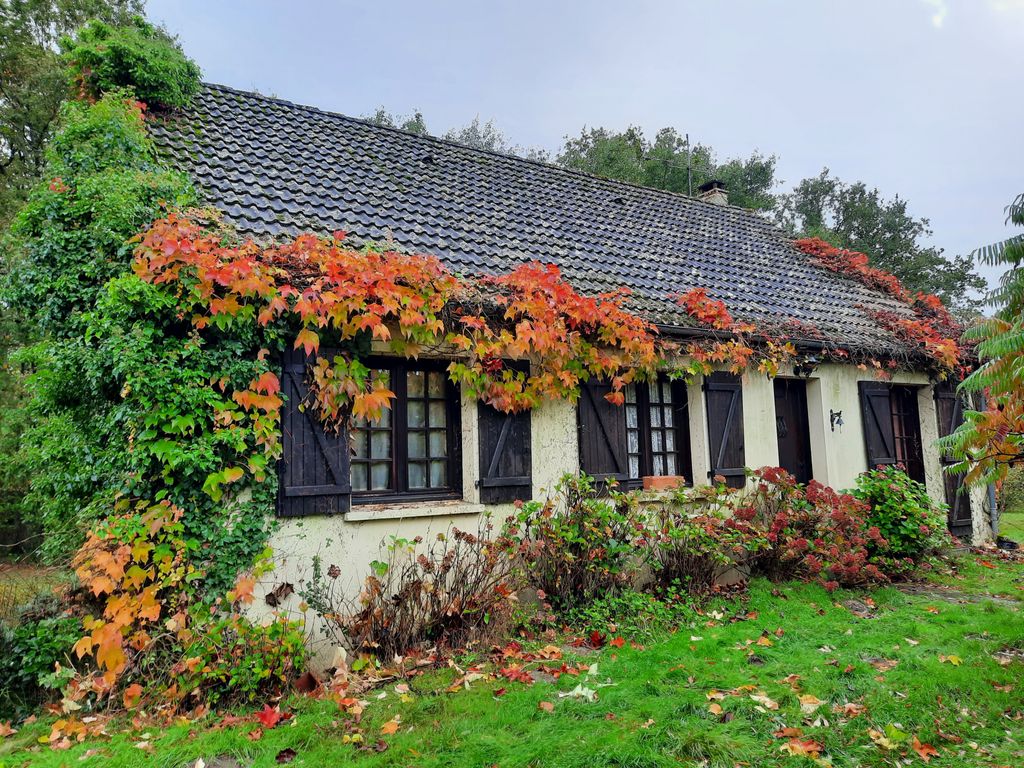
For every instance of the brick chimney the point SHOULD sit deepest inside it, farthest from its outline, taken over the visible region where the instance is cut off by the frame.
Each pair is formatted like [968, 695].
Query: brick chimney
[713, 192]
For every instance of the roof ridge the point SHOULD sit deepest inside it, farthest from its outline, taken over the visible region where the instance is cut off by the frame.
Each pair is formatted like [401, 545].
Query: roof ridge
[429, 138]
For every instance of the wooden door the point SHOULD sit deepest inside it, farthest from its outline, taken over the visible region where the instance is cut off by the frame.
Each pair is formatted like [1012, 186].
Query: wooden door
[723, 395]
[792, 428]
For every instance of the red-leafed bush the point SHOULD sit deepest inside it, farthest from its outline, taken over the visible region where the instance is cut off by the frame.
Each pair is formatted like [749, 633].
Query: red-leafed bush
[811, 532]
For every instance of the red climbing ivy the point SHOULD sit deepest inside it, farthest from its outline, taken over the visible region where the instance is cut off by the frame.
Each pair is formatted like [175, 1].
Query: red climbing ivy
[406, 305]
[738, 349]
[932, 328]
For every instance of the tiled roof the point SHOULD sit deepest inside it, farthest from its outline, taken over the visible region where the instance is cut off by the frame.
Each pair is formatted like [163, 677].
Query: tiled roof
[276, 168]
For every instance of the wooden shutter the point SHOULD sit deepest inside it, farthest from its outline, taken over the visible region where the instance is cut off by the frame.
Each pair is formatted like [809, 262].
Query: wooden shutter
[723, 393]
[602, 434]
[681, 420]
[505, 464]
[876, 413]
[949, 410]
[314, 468]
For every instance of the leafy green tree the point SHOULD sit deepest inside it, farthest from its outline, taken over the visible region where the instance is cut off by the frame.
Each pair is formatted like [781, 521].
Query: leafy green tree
[990, 441]
[33, 82]
[664, 163]
[413, 123]
[857, 217]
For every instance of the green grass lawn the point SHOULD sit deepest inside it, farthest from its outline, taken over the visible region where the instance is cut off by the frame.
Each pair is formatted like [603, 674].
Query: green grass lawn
[921, 665]
[1011, 525]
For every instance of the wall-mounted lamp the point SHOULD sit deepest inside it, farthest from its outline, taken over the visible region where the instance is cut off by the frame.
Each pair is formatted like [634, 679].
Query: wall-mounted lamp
[806, 366]
[835, 419]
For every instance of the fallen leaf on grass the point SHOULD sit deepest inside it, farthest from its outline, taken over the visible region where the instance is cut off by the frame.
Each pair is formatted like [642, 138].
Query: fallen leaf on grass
[545, 706]
[618, 642]
[580, 692]
[953, 659]
[715, 708]
[391, 726]
[764, 701]
[926, 751]
[269, 716]
[908, 641]
[802, 747]
[788, 733]
[882, 665]
[809, 703]
[890, 739]
[985, 564]
[6, 729]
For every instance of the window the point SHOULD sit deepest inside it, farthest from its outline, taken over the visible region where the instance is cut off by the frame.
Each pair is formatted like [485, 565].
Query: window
[657, 430]
[413, 450]
[648, 435]
[892, 429]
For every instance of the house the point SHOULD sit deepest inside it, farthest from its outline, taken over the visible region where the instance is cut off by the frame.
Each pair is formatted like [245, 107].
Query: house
[438, 458]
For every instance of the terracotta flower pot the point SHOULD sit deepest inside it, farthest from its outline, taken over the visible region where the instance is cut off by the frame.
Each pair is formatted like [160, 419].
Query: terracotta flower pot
[663, 482]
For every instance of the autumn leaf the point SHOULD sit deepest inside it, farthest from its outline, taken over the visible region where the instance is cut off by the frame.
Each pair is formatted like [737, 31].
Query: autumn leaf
[132, 694]
[391, 726]
[545, 706]
[802, 747]
[956, 661]
[6, 729]
[764, 701]
[926, 751]
[308, 340]
[269, 716]
[809, 703]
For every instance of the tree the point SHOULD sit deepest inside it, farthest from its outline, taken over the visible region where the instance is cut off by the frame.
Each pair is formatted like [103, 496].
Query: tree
[413, 123]
[664, 164]
[33, 82]
[855, 217]
[990, 441]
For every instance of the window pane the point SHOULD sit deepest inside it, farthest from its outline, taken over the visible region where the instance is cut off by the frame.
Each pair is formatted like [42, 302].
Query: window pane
[670, 440]
[417, 474]
[634, 440]
[417, 445]
[415, 383]
[358, 477]
[631, 416]
[417, 415]
[671, 459]
[659, 465]
[656, 441]
[359, 444]
[380, 475]
[634, 467]
[655, 416]
[668, 418]
[666, 392]
[438, 443]
[438, 474]
[630, 392]
[380, 445]
[437, 414]
[436, 386]
[385, 418]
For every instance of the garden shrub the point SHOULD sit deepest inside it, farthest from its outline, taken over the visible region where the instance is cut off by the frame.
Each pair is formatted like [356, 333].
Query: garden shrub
[103, 58]
[911, 523]
[696, 537]
[461, 588]
[812, 532]
[578, 545]
[31, 652]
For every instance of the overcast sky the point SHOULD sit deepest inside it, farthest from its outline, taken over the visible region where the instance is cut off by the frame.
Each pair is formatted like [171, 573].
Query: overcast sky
[921, 98]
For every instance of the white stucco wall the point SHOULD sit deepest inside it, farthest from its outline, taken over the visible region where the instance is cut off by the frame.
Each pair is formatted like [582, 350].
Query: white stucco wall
[838, 456]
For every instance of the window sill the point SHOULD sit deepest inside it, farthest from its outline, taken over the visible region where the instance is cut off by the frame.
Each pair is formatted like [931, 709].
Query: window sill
[398, 510]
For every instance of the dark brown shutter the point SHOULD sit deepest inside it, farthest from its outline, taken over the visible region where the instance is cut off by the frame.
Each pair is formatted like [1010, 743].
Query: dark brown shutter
[602, 434]
[681, 420]
[876, 413]
[505, 464]
[724, 395]
[949, 410]
[314, 468]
